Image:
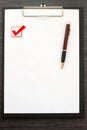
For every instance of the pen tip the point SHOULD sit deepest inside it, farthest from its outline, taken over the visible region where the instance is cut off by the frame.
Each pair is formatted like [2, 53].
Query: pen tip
[62, 64]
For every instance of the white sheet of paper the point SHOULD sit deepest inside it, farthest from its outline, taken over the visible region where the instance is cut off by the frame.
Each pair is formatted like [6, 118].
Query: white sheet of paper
[33, 79]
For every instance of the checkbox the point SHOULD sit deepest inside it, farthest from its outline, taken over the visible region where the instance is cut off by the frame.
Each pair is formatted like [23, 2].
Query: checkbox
[15, 28]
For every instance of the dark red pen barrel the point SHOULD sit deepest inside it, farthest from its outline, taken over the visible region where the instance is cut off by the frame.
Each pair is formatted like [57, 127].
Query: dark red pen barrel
[67, 30]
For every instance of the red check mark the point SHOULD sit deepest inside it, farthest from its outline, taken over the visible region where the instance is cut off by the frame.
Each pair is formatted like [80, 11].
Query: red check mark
[20, 30]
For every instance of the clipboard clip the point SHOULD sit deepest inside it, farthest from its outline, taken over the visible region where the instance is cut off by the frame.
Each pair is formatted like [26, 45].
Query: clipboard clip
[42, 11]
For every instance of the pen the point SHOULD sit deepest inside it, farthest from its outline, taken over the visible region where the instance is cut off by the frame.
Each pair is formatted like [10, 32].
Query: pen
[67, 31]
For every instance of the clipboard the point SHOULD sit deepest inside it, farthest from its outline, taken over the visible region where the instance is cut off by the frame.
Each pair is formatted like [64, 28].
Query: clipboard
[34, 86]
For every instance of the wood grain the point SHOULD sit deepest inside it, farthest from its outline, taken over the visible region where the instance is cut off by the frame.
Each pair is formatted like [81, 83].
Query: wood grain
[46, 124]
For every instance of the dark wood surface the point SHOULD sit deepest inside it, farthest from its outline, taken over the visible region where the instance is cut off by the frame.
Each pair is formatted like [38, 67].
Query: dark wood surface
[46, 124]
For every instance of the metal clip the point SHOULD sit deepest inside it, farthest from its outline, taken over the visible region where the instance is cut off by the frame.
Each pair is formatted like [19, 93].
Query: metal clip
[42, 11]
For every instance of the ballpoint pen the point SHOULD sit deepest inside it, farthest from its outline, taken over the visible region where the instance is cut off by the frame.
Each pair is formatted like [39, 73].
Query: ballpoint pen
[67, 31]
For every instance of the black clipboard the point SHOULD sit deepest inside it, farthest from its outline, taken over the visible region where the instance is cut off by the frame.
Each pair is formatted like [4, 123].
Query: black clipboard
[50, 115]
